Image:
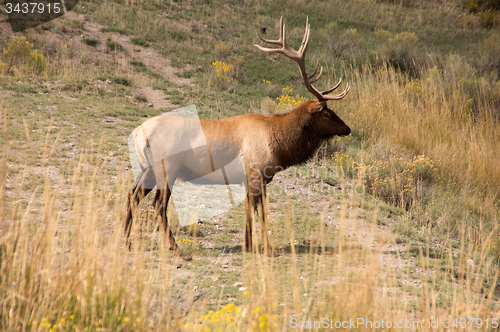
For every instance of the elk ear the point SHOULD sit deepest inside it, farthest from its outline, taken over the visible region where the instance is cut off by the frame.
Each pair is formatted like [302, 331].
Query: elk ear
[316, 107]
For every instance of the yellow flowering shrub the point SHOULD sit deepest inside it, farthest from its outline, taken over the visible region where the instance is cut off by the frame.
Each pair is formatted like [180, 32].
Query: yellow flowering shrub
[224, 71]
[109, 312]
[187, 248]
[224, 320]
[231, 318]
[399, 181]
[397, 49]
[287, 101]
[414, 89]
[418, 91]
[343, 161]
[423, 169]
[74, 322]
[22, 57]
[262, 322]
[223, 74]
[392, 39]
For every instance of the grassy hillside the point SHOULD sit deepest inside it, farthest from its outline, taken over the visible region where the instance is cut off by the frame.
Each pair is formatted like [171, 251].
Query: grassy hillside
[397, 222]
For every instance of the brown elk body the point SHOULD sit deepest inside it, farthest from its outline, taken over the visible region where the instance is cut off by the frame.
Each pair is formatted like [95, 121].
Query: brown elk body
[268, 145]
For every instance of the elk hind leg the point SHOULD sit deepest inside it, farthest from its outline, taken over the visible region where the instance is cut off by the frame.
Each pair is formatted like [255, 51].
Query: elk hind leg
[161, 202]
[133, 199]
[143, 187]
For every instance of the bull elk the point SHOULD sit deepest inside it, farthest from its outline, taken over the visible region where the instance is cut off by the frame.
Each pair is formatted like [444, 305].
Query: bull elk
[268, 144]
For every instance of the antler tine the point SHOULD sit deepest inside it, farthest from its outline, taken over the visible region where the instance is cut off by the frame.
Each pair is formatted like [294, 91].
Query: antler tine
[285, 49]
[330, 90]
[305, 39]
[315, 70]
[314, 80]
[337, 97]
[276, 42]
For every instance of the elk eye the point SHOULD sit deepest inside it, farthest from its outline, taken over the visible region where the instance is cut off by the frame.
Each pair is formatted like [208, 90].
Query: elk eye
[326, 115]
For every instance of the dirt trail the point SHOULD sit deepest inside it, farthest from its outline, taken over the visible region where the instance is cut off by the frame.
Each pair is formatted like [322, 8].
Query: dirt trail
[148, 56]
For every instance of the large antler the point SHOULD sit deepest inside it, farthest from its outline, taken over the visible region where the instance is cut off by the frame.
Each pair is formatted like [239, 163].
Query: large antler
[299, 57]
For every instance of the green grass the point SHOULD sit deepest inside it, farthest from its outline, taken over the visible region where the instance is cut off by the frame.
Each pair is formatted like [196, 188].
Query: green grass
[115, 29]
[114, 46]
[140, 42]
[141, 67]
[90, 42]
[141, 98]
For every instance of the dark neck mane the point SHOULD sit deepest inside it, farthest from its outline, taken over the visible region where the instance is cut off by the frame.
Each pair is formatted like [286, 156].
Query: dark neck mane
[293, 137]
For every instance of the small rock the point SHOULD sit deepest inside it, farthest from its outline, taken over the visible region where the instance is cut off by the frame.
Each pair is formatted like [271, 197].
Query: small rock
[242, 289]
[137, 49]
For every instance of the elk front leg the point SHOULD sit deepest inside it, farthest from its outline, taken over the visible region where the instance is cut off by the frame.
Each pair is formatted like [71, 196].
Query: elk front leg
[261, 212]
[250, 220]
[161, 202]
[256, 200]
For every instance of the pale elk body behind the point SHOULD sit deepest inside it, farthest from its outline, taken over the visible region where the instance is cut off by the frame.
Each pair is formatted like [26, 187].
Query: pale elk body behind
[268, 144]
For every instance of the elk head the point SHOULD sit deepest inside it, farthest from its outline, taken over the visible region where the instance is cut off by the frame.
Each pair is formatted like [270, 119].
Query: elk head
[325, 122]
